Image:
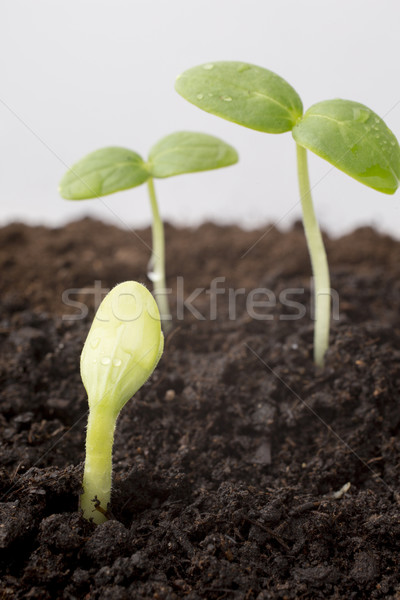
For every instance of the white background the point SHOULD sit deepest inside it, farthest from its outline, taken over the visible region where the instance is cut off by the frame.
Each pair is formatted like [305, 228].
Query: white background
[78, 75]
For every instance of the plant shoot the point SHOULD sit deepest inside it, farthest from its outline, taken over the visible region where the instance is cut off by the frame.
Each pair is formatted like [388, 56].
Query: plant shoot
[345, 133]
[114, 169]
[121, 351]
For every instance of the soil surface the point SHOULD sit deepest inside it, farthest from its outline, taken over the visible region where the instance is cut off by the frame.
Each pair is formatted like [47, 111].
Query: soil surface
[241, 471]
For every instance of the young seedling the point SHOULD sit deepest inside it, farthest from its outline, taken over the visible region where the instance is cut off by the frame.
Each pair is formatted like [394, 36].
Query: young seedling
[121, 351]
[345, 133]
[114, 169]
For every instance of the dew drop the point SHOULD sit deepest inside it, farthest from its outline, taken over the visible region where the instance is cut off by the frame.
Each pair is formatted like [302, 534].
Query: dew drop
[153, 276]
[392, 143]
[361, 114]
[242, 68]
[94, 343]
[208, 67]
[117, 362]
[105, 360]
[377, 120]
[226, 98]
[200, 96]
[94, 361]
[151, 272]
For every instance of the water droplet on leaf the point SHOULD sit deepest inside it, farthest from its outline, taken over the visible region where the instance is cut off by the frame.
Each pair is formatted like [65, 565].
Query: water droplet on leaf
[94, 343]
[227, 98]
[105, 360]
[117, 362]
[200, 96]
[208, 67]
[361, 114]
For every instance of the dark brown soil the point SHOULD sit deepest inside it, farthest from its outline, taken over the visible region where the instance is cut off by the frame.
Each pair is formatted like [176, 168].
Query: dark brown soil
[230, 463]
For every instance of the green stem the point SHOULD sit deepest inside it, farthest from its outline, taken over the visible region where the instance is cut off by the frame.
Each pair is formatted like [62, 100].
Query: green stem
[319, 261]
[98, 464]
[157, 261]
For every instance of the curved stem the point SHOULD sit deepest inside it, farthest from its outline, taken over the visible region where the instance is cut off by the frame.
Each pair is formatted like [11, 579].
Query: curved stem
[319, 261]
[98, 465]
[157, 262]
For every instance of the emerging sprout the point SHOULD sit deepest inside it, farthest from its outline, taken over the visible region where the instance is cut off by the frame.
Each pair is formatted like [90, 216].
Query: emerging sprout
[121, 351]
[114, 169]
[347, 134]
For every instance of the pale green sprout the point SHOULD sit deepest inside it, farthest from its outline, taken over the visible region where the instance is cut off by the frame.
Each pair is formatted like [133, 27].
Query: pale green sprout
[122, 349]
[114, 169]
[347, 134]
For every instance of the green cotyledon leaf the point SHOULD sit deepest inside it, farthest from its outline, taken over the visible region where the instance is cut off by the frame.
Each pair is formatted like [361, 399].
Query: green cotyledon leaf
[123, 347]
[354, 139]
[189, 152]
[103, 172]
[243, 93]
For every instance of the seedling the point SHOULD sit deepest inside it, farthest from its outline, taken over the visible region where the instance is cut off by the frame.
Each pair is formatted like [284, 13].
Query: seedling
[114, 169]
[121, 351]
[345, 133]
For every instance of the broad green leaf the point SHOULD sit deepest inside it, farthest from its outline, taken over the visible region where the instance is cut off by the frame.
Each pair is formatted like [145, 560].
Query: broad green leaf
[187, 152]
[103, 172]
[354, 139]
[242, 93]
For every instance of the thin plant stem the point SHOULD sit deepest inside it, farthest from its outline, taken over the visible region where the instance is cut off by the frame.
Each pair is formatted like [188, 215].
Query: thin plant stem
[319, 261]
[157, 262]
[98, 464]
